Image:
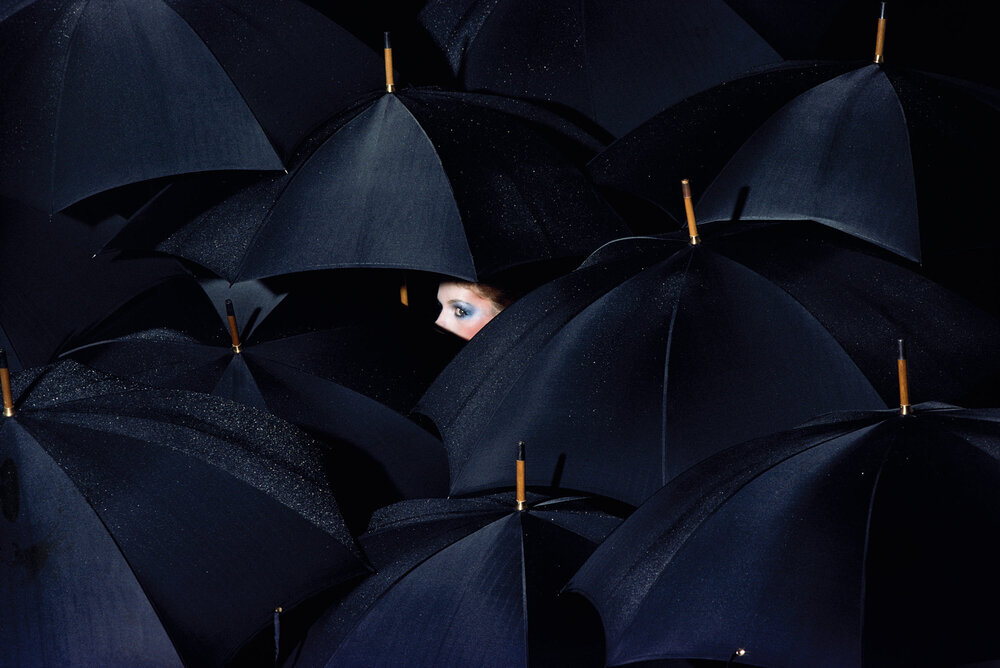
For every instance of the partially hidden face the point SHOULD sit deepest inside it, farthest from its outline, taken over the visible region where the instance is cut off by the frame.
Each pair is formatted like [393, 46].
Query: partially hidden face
[463, 310]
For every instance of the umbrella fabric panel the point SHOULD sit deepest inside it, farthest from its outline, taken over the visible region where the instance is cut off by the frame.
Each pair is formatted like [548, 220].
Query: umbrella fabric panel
[863, 295]
[802, 559]
[932, 531]
[204, 595]
[64, 71]
[293, 66]
[384, 155]
[71, 596]
[836, 171]
[476, 597]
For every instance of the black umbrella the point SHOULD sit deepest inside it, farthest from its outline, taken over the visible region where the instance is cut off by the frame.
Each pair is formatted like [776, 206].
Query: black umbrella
[101, 94]
[53, 289]
[861, 539]
[452, 183]
[889, 154]
[465, 582]
[348, 384]
[657, 352]
[143, 525]
[591, 57]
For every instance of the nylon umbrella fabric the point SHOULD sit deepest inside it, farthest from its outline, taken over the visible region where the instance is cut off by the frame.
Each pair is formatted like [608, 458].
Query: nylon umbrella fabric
[840, 543]
[348, 385]
[656, 353]
[467, 582]
[885, 153]
[141, 523]
[97, 95]
[586, 57]
[457, 184]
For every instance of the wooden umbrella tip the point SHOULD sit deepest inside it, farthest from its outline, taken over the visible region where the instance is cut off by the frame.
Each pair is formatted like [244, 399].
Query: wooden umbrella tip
[390, 85]
[388, 41]
[880, 36]
[520, 450]
[230, 311]
[904, 385]
[3, 358]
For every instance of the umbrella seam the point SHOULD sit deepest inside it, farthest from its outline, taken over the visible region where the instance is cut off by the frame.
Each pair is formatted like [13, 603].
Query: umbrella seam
[246, 104]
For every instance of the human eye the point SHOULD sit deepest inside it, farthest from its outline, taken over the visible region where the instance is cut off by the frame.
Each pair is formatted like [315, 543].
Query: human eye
[462, 310]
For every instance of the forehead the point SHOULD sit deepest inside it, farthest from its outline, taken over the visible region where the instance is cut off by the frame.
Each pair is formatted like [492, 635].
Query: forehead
[448, 292]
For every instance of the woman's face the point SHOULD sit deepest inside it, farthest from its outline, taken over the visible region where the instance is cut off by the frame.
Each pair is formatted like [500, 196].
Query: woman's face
[463, 311]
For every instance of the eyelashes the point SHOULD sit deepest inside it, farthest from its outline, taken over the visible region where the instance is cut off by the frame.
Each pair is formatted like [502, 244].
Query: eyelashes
[462, 310]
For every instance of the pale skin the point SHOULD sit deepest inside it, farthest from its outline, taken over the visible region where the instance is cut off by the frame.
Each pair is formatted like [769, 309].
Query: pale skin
[464, 311]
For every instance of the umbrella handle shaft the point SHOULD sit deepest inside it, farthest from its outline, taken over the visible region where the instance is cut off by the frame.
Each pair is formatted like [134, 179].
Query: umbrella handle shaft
[8, 399]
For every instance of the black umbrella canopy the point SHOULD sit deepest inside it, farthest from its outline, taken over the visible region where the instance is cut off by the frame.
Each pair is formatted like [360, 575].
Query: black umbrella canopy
[101, 94]
[666, 352]
[347, 384]
[590, 56]
[51, 286]
[468, 582]
[142, 524]
[890, 155]
[862, 539]
[451, 183]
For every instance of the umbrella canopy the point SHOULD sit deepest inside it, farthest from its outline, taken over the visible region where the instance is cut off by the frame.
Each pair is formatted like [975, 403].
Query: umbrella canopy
[665, 352]
[146, 525]
[465, 582]
[347, 384]
[101, 94]
[888, 154]
[457, 184]
[52, 288]
[590, 56]
[862, 539]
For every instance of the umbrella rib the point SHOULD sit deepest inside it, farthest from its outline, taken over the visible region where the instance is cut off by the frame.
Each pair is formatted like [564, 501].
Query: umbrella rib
[864, 551]
[666, 367]
[451, 188]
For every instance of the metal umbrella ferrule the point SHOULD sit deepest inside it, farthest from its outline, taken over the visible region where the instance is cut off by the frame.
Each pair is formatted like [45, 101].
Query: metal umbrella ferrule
[880, 36]
[521, 499]
[689, 210]
[390, 84]
[904, 387]
[234, 332]
[8, 397]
